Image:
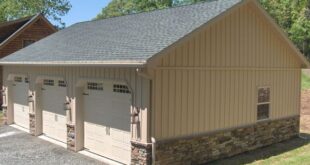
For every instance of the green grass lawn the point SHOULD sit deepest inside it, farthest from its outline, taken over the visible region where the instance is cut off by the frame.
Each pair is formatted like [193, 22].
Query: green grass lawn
[305, 81]
[291, 152]
[298, 156]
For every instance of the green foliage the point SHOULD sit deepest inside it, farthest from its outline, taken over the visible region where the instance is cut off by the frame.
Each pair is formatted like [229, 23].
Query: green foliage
[294, 17]
[53, 9]
[124, 7]
[305, 81]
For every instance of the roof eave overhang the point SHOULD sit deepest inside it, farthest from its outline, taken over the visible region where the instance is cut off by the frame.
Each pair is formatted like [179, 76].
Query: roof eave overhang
[139, 64]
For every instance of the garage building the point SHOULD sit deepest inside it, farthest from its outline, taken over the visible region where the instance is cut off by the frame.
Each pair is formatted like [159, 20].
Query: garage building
[185, 85]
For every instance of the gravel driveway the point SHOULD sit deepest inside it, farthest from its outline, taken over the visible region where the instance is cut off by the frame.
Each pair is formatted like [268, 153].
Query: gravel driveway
[20, 148]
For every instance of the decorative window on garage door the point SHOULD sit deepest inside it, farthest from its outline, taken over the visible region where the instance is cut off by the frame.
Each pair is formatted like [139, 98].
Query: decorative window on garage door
[62, 83]
[48, 82]
[95, 86]
[118, 88]
[263, 106]
[18, 79]
[26, 80]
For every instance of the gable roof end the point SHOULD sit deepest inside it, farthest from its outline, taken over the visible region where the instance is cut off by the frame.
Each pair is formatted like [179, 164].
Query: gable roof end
[7, 23]
[30, 21]
[303, 59]
[10, 27]
[300, 56]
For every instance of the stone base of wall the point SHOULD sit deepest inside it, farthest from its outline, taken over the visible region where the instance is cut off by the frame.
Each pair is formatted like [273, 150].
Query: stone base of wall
[71, 137]
[203, 149]
[32, 124]
[5, 115]
[141, 154]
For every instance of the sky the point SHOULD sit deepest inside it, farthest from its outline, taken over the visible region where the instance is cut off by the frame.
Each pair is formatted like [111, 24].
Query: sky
[84, 10]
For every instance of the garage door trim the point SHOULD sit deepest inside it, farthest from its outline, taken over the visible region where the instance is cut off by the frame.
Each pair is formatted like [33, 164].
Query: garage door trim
[117, 135]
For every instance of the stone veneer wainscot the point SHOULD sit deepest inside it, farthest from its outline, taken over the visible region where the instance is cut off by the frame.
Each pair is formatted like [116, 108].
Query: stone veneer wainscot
[71, 137]
[141, 154]
[222, 144]
[4, 117]
[32, 124]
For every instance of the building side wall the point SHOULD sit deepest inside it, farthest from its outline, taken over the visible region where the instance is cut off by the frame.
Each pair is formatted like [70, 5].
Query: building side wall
[209, 81]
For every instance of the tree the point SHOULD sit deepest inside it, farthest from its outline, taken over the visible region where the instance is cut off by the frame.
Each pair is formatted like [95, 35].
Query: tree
[124, 7]
[294, 17]
[52, 9]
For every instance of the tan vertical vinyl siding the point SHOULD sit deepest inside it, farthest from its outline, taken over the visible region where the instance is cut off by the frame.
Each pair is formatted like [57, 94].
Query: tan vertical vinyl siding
[210, 81]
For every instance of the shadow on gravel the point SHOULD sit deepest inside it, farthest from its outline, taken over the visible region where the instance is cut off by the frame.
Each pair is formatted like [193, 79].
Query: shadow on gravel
[265, 152]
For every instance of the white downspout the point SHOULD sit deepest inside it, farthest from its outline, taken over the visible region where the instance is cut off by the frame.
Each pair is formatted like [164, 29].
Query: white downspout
[153, 150]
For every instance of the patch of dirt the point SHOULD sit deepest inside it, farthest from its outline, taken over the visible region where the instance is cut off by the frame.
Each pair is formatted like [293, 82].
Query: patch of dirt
[305, 111]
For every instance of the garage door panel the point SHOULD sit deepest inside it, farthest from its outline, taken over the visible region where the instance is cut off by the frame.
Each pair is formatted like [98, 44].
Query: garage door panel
[95, 132]
[62, 129]
[120, 136]
[107, 123]
[108, 113]
[120, 151]
[107, 116]
[21, 115]
[20, 102]
[54, 115]
[96, 138]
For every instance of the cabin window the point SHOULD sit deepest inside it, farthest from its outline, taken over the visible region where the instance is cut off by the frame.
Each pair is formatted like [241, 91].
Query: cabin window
[263, 105]
[27, 43]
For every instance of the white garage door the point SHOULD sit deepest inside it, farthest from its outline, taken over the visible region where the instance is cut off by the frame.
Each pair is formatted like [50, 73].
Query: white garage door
[107, 120]
[20, 99]
[54, 116]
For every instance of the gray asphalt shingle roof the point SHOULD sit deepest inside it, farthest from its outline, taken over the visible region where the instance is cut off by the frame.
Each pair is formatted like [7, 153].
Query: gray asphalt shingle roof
[132, 38]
